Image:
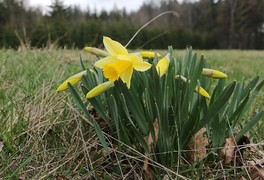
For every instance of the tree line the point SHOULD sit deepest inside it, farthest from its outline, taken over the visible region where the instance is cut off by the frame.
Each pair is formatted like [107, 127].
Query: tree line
[206, 24]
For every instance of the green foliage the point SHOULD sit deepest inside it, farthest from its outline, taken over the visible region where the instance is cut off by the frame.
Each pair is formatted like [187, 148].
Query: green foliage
[179, 111]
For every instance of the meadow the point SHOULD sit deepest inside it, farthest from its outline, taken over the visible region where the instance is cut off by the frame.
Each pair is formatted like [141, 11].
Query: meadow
[44, 136]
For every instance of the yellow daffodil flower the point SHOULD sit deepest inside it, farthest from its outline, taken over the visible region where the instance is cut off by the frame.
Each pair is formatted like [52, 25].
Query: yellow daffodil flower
[102, 53]
[214, 73]
[73, 80]
[96, 51]
[99, 89]
[120, 64]
[146, 54]
[163, 65]
[201, 91]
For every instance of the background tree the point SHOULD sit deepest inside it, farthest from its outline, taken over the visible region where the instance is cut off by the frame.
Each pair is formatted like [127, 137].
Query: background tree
[204, 24]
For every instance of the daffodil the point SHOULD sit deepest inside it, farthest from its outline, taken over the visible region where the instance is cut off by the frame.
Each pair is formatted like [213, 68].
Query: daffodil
[96, 51]
[200, 90]
[214, 73]
[119, 63]
[163, 65]
[146, 54]
[73, 80]
[99, 89]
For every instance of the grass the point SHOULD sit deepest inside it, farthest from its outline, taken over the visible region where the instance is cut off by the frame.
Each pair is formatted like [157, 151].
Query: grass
[44, 136]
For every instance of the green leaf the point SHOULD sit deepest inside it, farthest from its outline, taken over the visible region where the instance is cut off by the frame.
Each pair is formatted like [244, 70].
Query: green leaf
[83, 67]
[253, 96]
[249, 87]
[249, 125]
[114, 113]
[221, 100]
[101, 110]
[235, 97]
[238, 112]
[133, 103]
[78, 101]
[82, 107]
[100, 136]
[137, 133]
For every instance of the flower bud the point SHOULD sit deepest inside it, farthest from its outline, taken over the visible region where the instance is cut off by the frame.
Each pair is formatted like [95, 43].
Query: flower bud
[99, 89]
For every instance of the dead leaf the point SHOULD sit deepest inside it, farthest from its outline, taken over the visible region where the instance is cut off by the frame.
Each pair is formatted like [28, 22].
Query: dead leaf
[166, 177]
[243, 150]
[1, 146]
[22, 177]
[149, 140]
[197, 146]
[227, 153]
[243, 178]
[156, 130]
[61, 177]
[256, 169]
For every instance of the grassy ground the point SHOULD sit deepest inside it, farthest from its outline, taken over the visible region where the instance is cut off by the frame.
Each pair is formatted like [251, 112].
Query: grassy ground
[43, 136]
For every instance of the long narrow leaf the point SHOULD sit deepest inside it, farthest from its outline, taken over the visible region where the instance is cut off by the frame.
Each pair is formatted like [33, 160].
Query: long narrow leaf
[82, 107]
[249, 125]
[218, 104]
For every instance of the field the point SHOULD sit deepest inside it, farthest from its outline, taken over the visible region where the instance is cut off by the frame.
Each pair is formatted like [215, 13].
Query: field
[43, 135]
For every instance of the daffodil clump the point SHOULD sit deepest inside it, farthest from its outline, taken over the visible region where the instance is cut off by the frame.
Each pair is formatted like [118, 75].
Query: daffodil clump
[145, 94]
[118, 63]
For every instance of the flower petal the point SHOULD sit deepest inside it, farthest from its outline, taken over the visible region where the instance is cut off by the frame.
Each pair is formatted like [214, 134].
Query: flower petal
[139, 64]
[163, 65]
[126, 76]
[106, 60]
[123, 57]
[114, 47]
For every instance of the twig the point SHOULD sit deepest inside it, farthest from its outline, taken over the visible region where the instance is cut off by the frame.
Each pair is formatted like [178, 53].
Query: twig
[150, 21]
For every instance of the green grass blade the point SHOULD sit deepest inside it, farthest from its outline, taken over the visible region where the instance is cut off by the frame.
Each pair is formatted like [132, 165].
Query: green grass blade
[16, 172]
